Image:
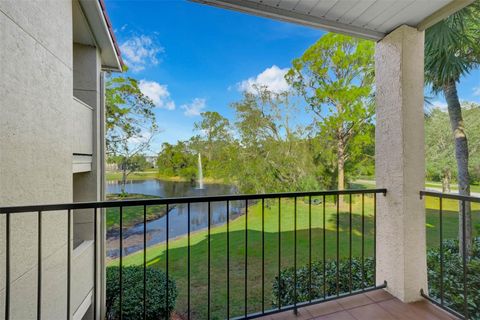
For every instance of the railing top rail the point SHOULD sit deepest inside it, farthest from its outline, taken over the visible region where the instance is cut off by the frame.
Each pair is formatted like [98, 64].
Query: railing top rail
[454, 196]
[180, 200]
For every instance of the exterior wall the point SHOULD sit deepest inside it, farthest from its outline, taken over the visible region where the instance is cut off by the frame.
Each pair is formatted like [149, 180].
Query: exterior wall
[400, 163]
[88, 186]
[35, 148]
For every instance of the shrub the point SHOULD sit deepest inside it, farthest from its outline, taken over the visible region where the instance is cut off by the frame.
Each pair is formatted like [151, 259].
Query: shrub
[453, 277]
[285, 287]
[132, 299]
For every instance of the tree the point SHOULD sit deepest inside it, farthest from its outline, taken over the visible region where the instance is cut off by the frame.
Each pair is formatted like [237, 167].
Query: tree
[335, 77]
[273, 153]
[130, 122]
[439, 149]
[452, 49]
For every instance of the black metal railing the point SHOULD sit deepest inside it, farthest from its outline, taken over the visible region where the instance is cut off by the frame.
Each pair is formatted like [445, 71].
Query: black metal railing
[341, 221]
[449, 258]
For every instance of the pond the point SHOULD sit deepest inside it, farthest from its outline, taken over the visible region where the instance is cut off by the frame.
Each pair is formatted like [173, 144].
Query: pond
[178, 213]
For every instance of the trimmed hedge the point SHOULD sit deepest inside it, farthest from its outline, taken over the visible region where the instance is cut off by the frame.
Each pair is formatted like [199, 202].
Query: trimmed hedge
[132, 300]
[286, 284]
[453, 277]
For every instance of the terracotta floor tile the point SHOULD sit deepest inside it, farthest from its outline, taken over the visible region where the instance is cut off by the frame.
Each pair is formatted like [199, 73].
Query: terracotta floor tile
[402, 311]
[302, 314]
[364, 307]
[370, 312]
[355, 301]
[342, 315]
[324, 308]
[427, 307]
[379, 295]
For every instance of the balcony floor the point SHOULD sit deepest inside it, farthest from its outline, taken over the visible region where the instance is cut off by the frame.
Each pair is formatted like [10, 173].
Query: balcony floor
[374, 305]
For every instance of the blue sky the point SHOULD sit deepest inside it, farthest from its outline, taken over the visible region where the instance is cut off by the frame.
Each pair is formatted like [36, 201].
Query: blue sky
[192, 58]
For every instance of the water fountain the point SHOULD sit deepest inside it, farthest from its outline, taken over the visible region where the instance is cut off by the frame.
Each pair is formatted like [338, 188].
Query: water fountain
[200, 172]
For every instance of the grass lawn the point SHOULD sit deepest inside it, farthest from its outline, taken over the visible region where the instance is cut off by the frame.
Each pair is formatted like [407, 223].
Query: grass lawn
[131, 215]
[141, 175]
[178, 251]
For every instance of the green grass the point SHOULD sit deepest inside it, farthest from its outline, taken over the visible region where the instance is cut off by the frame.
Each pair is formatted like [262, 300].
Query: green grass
[178, 253]
[141, 175]
[131, 215]
[178, 249]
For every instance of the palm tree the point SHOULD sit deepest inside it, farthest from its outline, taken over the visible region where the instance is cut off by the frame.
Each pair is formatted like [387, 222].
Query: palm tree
[452, 50]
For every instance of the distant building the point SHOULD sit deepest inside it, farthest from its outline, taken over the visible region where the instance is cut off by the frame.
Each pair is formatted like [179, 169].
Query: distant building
[152, 160]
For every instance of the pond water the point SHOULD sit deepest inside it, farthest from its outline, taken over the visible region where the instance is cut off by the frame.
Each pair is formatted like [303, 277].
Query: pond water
[178, 214]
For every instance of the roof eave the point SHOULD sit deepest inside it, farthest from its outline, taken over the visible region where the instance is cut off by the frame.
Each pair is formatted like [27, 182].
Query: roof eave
[102, 30]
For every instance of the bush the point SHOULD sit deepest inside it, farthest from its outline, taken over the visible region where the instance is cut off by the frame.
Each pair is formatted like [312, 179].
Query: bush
[286, 285]
[453, 277]
[132, 300]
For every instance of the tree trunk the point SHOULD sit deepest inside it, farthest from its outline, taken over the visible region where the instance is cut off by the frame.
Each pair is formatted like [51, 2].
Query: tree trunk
[341, 165]
[446, 180]
[124, 177]
[461, 155]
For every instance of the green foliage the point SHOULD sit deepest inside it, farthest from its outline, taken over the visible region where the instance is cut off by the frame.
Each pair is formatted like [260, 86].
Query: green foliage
[439, 142]
[335, 76]
[132, 299]
[453, 277]
[177, 160]
[129, 115]
[452, 47]
[307, 290]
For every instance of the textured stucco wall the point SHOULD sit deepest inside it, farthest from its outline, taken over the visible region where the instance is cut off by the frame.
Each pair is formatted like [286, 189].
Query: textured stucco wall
[87, 186]
[35, 147]
[400, 163]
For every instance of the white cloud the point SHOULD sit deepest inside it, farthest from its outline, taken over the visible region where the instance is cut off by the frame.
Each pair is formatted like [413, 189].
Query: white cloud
[140, 51]
[194, 108]
[439, 105]
[272, 78]
[158, 93]
[476, 91]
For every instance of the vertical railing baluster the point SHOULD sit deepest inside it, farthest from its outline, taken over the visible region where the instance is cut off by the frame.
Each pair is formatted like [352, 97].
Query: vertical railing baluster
[120, 300]
[310, 248]
[440, 199]
[295, 255]
[208, 286]
[144, 262]
[228, 259]
[246, 260]
[279, 252]
[363, 241]
[350, 247]
[188, 261]
[263, 255]
[95, 263]
[7, 266]
[324, 250]
[69, 262]
[374, 239]
[338, 246]
[166, 262]
[464, 258]
[39, 267]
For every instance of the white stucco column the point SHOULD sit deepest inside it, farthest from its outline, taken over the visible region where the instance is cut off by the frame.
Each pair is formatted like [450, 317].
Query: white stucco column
[400, 163]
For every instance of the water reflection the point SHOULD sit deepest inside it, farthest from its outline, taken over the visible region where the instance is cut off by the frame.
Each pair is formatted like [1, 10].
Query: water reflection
[178, 214]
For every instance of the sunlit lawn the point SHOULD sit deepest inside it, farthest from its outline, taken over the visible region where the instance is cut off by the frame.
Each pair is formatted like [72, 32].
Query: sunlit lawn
[178, 250]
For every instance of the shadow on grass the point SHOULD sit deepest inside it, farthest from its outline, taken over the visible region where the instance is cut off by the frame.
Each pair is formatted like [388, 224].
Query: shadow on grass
[251, 277]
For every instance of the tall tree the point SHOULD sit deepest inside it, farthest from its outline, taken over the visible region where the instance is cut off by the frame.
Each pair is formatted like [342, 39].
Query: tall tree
[335, 77]
[130, 122]
[452, 49]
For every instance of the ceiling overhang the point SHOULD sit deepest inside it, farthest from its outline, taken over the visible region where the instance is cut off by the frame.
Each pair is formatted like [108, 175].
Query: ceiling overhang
[369, 19]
